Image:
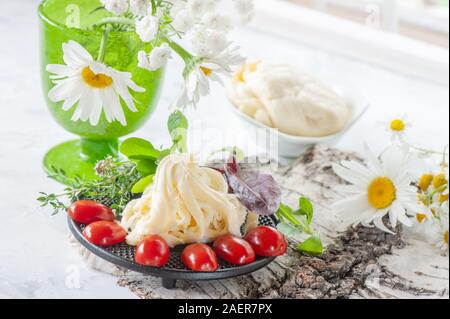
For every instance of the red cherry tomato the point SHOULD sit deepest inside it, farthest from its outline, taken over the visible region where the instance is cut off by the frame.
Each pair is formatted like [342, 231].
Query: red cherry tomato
[104, 233]
[267, 241]
[234, 250]
[152, 251]
[88, 211]
[200, 257]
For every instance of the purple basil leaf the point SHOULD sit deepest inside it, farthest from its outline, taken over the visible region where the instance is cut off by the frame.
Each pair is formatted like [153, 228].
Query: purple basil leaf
[259, 192]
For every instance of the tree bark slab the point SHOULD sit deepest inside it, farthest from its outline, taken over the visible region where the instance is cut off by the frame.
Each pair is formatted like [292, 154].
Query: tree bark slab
[357, 263]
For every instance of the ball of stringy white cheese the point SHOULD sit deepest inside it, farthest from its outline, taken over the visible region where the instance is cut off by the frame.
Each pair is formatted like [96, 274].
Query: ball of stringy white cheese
[281, 96]
[185, 204]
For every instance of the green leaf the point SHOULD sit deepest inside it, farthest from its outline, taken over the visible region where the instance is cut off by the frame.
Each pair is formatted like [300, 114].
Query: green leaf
[177, 120]
[308, 209]
[313, 246]
[146, 167]
[142, 185]
[137, 149]
[178, 126]
[286, 209]
[164, 154]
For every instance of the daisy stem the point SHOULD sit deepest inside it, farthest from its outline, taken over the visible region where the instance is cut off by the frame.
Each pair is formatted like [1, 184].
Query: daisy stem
[103, 44]
[114, 20]
[424, 150]
[185, 55]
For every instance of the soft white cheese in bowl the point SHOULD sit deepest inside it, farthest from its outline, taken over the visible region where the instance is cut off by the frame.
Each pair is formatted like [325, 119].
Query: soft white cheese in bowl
[296, 108]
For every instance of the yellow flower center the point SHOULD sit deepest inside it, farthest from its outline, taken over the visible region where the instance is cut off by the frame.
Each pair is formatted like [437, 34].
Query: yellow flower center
[382, 193]
[98, 81]
[252, 67]
[439, 181]
[421, 218]
[446, 237]
[398, 125]
[443, 198]
[425, 182]
[206, 71]
[240, 74]
[433, 211]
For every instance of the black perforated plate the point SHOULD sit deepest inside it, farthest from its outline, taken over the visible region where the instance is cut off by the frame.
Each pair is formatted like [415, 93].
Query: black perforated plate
[122, 255]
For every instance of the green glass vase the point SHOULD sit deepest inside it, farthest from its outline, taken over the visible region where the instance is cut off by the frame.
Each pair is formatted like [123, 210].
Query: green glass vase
[62, 21]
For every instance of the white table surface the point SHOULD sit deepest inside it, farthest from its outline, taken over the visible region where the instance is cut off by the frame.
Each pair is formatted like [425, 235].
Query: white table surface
[36, 260]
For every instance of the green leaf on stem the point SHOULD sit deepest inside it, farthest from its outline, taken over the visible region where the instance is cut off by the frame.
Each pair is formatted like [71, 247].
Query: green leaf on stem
[142, 185]
[164, 154]
[146, 167]
[307, 208]
[138, 149]
[178, 126]
[297, 224]
[312, 246]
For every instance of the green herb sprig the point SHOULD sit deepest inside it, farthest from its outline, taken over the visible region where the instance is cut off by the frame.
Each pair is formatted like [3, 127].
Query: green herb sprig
[119, 181]
[112, 188]
[299, 222]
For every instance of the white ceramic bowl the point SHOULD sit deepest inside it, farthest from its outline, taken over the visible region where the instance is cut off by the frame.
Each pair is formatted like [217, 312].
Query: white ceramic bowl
[293, 146]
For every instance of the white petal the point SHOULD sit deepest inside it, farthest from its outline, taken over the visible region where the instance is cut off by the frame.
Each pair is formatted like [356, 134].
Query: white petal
[376, 213]
[350, 209]
[60, 71]
[348, 175]
[122, 90]
[363, 173]
[73, 98]
[117, 110]
[394, 162]
[62, 90]
[352, 189]
[366, 216]
[404, 219]
[373, 161]
[86, 105]
[75, 56]
[107, 96]
[378, 222]
[394, 213]
[96, 111]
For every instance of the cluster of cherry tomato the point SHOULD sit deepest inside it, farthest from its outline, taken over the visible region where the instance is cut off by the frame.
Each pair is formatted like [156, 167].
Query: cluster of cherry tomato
[102, 230]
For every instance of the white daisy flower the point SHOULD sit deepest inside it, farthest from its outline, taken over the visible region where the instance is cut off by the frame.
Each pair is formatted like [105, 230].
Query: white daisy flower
[93, 85]
[398, 128]
[443, 233]
[440, 182]
[157, 58]
[379, 189]
[425, 182]
[197, 79]
[147, 28]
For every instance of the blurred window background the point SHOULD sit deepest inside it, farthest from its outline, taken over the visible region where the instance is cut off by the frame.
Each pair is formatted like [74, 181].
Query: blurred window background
[425, 20]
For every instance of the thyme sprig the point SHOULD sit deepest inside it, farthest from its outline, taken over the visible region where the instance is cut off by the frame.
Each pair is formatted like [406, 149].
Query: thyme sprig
[112, 188]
